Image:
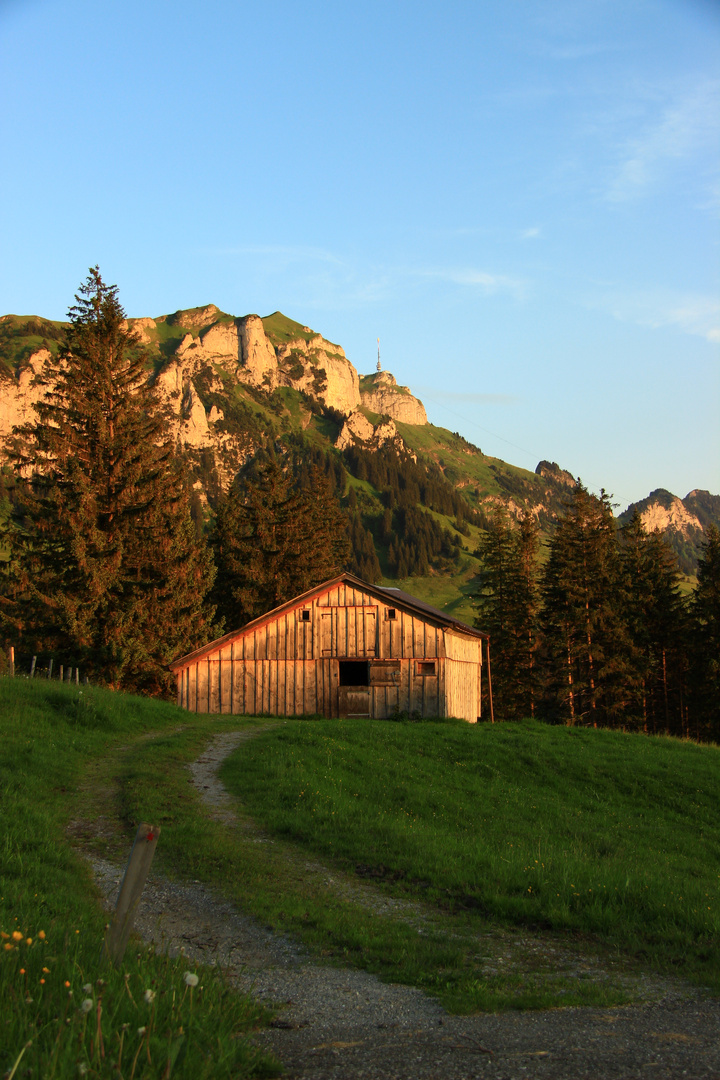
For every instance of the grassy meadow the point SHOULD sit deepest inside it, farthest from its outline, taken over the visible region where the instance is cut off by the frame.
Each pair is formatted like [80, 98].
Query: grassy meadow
[495, 836]
[65, 1012]
[612, 836]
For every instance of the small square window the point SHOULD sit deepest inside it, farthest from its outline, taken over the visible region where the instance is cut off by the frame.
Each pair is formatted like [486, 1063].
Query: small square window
[425, 667]
[391, 613]
[305, 615]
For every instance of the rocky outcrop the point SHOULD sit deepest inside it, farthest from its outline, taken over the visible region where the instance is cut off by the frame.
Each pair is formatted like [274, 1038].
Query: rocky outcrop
[550, 470]
[141, 327]
[359, 431]
[316, 367]
[320, 368]
[381, 394]
[675, 517]
[194, 318]
[259, 362]
[18, 398]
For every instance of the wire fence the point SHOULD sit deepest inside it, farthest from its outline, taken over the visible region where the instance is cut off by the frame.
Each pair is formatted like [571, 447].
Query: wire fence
[27, 667]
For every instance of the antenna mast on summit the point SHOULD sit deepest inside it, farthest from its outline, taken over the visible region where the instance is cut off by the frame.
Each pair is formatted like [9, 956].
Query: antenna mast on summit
[379, 365]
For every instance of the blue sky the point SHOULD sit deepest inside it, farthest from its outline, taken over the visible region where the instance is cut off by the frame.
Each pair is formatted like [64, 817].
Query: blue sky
[521, 199]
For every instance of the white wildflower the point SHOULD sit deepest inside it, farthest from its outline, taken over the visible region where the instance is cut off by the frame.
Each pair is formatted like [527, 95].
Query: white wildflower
[86, 1005]
[149, 997]
[190, 978]
[141, 1031]
[87, 988]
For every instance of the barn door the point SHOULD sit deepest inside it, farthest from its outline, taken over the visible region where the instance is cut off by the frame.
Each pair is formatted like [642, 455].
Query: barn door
[354, 689]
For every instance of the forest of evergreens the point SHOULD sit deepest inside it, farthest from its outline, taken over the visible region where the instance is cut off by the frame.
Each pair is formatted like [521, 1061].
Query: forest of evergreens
[598, 631]
[115, 562]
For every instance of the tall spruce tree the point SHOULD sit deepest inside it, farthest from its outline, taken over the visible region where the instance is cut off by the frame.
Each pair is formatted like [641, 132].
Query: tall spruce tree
[105, 568]
[273, 541]
[507, 598]
[654, 616]
[705, 642]
[586, 672]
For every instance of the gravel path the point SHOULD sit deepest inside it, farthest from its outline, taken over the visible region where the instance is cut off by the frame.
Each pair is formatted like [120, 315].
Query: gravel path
[341, 1024]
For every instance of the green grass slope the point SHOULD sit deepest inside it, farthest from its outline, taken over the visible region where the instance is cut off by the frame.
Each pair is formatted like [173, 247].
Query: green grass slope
[598, 833]
[64, 1011]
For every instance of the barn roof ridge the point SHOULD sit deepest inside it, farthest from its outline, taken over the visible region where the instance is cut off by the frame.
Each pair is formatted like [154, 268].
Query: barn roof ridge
[402, 599]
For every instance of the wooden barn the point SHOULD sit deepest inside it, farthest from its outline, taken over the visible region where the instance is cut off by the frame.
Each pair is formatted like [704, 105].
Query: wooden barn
[345, 648]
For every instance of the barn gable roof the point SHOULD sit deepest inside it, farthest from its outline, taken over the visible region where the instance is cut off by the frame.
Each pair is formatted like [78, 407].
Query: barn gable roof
[386, 594]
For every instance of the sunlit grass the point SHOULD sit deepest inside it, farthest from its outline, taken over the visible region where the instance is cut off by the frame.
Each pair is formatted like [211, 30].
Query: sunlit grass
[594, 832]
[66, 1012]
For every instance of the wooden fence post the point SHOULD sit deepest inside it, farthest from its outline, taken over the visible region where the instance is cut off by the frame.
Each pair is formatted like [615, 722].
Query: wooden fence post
[133, 882]
[61, 673]
[12, 659]
[50, 668]
[77, 676]
[492, 714]
[32, 667]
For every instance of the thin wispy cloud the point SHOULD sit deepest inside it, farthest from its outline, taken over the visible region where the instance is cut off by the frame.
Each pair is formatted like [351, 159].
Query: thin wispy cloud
[692, 314]
[485, 280]
[682, 131]
[531, 234]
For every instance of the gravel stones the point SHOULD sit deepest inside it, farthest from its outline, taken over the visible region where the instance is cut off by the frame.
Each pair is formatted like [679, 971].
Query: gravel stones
[340, 1024]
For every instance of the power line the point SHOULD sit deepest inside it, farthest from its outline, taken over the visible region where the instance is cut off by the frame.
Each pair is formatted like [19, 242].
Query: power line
[522, 449]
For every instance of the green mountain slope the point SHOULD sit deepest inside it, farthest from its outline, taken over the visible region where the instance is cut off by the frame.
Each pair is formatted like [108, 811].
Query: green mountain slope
[417, 495]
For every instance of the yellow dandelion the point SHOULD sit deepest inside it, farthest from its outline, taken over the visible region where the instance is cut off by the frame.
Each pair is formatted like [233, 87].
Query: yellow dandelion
[41, 935]
[28, 941]
[46, 970]
[8, 946]
[17, 936]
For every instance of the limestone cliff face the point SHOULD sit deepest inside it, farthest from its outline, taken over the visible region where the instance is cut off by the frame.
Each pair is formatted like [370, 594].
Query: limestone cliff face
[258, 359]
[675, 517]
[201, 352]
[550, 470]
[315, 366]
[359, 431]
[18, 398]
[326, 372]
[381, 393]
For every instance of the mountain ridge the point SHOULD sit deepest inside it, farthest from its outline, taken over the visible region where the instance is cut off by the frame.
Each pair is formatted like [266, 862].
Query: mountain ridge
[233, 385]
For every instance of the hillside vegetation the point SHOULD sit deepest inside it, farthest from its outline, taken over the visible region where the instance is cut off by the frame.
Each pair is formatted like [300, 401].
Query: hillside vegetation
[586, 832]
[523, 845]
[244, 466]
[65, 1012]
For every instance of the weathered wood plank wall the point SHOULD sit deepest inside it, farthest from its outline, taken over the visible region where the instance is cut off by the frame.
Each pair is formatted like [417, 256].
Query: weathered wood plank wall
[289, 666]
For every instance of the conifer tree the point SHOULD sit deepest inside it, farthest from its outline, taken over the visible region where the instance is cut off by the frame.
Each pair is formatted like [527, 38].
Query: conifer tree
[105, 568]
[654, 617]
[273, 541]
[586, 674]
[507, 610]
[705, 641]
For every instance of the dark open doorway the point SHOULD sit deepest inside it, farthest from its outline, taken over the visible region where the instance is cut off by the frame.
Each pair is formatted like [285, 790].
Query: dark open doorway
[354, 673]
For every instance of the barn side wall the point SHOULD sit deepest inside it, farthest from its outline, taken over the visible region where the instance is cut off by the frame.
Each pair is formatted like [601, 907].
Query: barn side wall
[289, 666]
[463, 667]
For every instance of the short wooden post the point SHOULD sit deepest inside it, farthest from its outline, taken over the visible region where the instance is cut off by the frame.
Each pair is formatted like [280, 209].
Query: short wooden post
[12, 659]
[32, 667]
[77, 676]
[50, 665]
[61, 673]
[128, 900]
